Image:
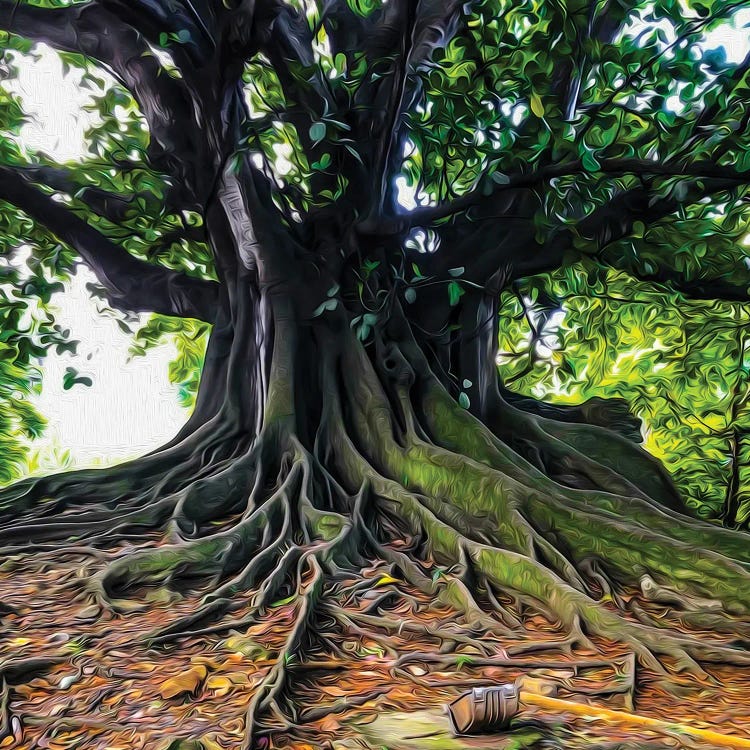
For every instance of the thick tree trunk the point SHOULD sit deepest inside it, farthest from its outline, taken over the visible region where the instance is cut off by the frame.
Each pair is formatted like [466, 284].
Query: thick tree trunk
[312, 453]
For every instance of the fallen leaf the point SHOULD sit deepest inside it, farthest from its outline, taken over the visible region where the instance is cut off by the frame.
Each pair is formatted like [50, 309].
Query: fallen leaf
[385, 579]
[186, 683]
[247, 647]
[144, 666]
[219, 684]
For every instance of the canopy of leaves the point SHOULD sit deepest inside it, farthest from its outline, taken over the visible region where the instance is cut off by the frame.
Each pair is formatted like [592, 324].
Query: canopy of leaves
[573, 105]
[681, 365]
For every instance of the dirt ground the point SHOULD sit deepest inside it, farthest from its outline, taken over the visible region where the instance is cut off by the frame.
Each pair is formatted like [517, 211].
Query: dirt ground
[107, 689]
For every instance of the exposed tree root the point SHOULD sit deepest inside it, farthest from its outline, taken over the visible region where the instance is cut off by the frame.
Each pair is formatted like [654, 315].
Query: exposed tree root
[397, 475]
[269, 691]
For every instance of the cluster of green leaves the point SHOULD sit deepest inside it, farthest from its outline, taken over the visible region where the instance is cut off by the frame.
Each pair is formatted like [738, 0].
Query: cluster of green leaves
[33, 266]
[27, 331]
[530, 82]
[683, 366]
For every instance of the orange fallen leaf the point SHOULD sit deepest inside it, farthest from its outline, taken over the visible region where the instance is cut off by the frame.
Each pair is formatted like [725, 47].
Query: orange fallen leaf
[187, 682]
[219, 684]
[329, 724]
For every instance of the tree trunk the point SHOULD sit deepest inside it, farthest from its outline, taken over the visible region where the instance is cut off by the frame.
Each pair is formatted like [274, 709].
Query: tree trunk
[313, 451]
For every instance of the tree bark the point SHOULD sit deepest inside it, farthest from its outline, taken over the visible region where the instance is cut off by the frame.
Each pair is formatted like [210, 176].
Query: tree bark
[323, 443]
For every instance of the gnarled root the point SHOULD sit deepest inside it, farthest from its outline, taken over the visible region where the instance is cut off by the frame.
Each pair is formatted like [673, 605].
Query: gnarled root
[398, 476]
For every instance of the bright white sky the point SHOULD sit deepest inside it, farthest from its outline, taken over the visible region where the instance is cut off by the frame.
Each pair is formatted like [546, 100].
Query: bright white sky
[131, 407]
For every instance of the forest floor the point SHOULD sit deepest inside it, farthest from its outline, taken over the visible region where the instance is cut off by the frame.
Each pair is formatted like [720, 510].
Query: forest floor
[109, 690]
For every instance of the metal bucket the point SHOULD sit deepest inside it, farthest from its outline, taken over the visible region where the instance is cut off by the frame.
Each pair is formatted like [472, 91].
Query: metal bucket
[483, 709]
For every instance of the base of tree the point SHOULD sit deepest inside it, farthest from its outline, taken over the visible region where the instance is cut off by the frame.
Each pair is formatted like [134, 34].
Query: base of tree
[396, 473]
[381, 685]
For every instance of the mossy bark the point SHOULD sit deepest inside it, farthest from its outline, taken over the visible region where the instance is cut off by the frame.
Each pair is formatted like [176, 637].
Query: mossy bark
[314, 453]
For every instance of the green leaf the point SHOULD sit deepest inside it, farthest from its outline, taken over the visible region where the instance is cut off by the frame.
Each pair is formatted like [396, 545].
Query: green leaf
[71, 378]
[455, 292]
[455, 272]
[410, 295]
[283, 602]
[317, 131]
[537, 107]
[328, 305]
[463, 400]
[322, 163]
[590, 164]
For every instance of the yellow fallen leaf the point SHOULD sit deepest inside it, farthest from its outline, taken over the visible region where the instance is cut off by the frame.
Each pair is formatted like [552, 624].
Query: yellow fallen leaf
[384, 580]
[219, 684]
[20, 641]
[187, 682]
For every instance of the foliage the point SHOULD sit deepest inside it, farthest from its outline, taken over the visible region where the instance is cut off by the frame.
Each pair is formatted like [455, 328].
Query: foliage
[682, 366]
[189, 338]
[575, 103]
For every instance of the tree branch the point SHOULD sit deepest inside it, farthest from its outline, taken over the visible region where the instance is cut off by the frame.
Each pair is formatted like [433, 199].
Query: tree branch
[509, 241]
[103, 203]
[387, 141]
[152, 18]
[615, 221]
[130, 284]
[424, 26]
[482, 202]
[92, 30]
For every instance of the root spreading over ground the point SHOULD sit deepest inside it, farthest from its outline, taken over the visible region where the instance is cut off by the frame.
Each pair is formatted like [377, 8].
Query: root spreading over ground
[394, 477]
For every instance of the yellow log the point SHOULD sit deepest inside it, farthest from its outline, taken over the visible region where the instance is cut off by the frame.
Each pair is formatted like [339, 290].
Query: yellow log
[621, 717]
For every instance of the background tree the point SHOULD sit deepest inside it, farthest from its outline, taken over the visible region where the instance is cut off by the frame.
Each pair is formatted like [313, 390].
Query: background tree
[587, 333]
[343, 191]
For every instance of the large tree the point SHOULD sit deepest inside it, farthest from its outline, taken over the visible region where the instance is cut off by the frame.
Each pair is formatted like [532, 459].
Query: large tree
[343, 190]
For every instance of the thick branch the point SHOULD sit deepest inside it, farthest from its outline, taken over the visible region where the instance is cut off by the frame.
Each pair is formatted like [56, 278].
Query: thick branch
[507, 239]
[284, 34]
[111, 206]
[615, 221]
[479, 202]
[102, 202]
[91, 30]
[59, 27]
[424, 26]
[153, 18]
[130, 284]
